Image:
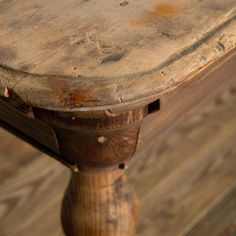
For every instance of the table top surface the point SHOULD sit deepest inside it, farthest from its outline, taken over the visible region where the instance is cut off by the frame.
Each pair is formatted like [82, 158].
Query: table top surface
[108, 53]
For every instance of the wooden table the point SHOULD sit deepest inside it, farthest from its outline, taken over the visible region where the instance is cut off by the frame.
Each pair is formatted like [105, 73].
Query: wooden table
[91, 82]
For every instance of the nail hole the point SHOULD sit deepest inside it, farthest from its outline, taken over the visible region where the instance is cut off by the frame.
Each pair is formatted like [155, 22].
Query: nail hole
[122, 166]
[154, 106]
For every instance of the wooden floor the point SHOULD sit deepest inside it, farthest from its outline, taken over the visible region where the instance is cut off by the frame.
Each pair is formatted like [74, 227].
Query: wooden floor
[187, 183]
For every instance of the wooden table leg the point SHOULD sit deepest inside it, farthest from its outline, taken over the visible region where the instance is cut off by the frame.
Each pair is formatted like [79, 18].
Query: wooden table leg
[99, 203]
[98, 200]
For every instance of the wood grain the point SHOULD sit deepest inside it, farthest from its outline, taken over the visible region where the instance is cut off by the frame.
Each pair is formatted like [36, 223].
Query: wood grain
[219, 221]
[99, 37]
[33, 129]
[198, 168]
[186, 100]
[24, 197]
[184, 177]
[175, 107]
[10, 162]
[99, 203]
[133, 53]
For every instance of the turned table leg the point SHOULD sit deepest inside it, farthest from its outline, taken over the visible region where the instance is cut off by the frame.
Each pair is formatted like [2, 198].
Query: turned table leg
[99, 203]
[98, 200]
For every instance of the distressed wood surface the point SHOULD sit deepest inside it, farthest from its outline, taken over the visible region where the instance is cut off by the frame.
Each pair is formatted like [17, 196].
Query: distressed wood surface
[96, 143]
[170, 111]
[99, 203]
[32, 129]
[185, 182]
[179, 186]
[177, 106]
[98, 200]
[113, 54]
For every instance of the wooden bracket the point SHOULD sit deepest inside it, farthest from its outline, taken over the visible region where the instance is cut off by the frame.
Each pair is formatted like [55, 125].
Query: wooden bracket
[96, 142]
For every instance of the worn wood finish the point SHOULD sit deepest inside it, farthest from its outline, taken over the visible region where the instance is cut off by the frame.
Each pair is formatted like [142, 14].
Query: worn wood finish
[85, 67]
[99, 203]
[28, 127]
[171, 112]
[97, 142]
[133, 53]
[113, 121]
[175, 107]
[98, 200]
[178, 187]
[209, 188]
[134, 38]
[188, 99]
[221, 220]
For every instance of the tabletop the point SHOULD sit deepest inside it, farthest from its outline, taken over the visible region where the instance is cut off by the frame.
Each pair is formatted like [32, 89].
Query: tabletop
[94, 55]
[92, 83]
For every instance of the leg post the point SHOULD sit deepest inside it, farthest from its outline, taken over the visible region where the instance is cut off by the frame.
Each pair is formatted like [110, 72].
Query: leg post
[98, 200]
[99, 203]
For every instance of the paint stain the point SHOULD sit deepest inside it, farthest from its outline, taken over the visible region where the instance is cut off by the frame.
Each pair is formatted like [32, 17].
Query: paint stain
[167, 18]
[75, 97]
[165, 9]
[68, 96]
[161, 10]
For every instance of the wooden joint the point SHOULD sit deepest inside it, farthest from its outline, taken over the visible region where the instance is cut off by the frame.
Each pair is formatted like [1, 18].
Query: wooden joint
[96, 142]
